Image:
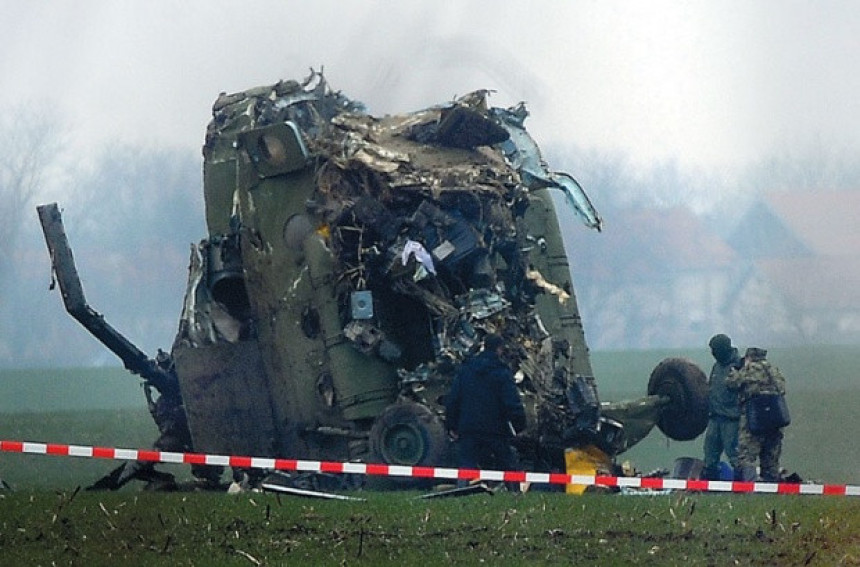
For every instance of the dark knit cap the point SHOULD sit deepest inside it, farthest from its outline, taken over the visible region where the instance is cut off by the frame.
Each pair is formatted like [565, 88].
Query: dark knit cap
[720, 342]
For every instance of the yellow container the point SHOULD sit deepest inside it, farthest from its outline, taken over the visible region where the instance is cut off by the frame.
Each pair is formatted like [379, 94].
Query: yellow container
[589, 461]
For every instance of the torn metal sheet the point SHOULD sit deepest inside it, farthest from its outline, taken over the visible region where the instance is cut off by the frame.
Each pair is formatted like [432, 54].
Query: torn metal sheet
[523, 152]
[479, 488]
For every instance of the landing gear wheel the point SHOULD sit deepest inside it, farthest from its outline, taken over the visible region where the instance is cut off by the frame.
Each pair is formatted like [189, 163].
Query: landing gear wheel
[408, 434]
[684, 383]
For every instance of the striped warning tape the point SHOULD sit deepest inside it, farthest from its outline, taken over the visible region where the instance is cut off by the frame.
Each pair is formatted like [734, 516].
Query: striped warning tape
[423, 472]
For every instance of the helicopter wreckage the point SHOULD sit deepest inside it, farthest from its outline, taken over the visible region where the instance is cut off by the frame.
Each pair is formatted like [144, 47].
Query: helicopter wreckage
[352, 263]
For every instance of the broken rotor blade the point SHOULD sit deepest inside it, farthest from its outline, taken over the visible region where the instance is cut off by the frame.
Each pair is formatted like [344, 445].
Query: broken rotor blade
[308, 493]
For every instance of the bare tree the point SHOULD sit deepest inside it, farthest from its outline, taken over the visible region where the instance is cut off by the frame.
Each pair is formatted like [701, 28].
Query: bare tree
[816, 167]
[29, 145]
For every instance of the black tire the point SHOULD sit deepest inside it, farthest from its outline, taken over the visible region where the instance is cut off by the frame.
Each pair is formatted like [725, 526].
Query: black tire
[408, 433]
[686, 385]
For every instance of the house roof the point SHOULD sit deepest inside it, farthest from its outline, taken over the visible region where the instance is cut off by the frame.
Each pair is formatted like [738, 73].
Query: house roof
[648, 243]
[826, 222]
[831, 283]
[807, 246]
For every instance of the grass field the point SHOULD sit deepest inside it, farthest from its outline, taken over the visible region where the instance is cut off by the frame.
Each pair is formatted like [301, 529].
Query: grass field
[105, 406]
[395, 528]
[47, 520]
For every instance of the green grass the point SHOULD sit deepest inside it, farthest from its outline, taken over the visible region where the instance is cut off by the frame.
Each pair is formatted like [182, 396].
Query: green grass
[69, 389]
[47, 520]
[65, 528]
[816, 368]
[105, 406]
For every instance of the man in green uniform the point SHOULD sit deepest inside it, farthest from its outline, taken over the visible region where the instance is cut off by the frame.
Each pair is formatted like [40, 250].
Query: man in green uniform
[758, 376]
[723, 409]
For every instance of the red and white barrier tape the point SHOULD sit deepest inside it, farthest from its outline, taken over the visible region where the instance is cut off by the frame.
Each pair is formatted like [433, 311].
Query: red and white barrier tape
[423, 472]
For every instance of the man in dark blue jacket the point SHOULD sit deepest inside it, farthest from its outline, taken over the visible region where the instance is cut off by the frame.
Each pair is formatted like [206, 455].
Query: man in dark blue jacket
[484, 411]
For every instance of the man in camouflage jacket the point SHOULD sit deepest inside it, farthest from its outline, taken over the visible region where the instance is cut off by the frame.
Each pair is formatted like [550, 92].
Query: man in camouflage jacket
[757, 376]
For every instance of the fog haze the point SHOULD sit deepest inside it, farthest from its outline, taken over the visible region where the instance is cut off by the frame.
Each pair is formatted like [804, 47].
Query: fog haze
[695, 104]
[714, 84]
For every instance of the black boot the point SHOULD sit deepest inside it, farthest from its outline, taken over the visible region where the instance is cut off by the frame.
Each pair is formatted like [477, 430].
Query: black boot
[709, 473]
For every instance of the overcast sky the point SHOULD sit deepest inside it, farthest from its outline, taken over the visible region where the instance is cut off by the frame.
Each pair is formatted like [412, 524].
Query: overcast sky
[711, 84]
